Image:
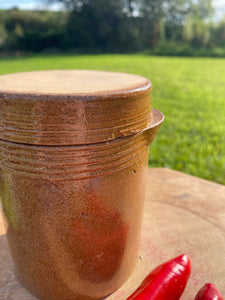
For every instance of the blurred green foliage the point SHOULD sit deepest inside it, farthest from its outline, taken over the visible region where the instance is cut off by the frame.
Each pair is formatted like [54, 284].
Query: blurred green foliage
[158, 27]
[189, 91]
[31, 30]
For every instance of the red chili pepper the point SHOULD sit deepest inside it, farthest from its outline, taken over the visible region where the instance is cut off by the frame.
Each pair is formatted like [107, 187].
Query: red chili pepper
[166, 282]
[209, 292]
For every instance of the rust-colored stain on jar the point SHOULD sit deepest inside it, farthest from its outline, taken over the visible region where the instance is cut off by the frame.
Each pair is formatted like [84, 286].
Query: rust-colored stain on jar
[100, 236]
[73, 161]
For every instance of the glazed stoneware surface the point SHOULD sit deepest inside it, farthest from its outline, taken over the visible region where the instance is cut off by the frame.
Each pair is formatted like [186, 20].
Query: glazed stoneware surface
[73, 207]
[72, 107]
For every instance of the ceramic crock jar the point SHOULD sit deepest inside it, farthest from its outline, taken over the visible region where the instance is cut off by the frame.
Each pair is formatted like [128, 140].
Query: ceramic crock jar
[73, 160]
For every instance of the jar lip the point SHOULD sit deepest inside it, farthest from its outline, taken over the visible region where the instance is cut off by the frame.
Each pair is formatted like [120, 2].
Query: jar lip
[157, 117]
[72, 85]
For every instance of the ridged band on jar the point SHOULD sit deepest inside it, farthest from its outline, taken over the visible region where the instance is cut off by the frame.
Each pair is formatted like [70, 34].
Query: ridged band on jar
[72, 162]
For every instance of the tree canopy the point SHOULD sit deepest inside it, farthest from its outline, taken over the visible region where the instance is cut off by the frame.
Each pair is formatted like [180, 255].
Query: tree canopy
[131, 24]
[161, 26]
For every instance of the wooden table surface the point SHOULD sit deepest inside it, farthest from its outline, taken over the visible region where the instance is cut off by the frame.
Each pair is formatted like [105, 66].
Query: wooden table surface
[183, 214]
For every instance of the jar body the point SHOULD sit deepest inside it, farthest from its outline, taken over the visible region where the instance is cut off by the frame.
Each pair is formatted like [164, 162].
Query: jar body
[74, 215]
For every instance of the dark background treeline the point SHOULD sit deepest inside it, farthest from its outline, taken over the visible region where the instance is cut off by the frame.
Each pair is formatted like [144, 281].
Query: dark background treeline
[174, 27]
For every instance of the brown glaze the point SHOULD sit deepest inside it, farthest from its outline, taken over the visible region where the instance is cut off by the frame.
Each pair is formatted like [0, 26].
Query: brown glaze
[74, 211]
[72, 107]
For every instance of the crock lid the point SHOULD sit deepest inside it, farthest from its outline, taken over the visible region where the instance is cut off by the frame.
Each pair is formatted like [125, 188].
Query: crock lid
[71, 107]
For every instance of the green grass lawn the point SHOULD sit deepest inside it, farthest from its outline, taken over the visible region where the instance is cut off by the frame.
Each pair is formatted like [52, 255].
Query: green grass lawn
[189, 91]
